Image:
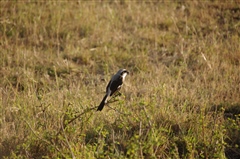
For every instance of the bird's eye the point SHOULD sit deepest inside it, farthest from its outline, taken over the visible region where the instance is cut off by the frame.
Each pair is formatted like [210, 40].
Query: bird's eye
[125, 71]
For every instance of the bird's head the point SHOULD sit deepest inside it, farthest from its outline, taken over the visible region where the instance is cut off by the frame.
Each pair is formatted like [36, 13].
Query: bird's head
[123, 73]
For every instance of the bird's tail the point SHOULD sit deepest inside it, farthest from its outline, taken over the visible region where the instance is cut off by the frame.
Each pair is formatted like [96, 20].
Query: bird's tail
[104, 101]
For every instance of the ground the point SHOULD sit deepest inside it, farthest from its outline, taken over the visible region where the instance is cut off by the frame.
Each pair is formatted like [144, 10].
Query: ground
[180, 100]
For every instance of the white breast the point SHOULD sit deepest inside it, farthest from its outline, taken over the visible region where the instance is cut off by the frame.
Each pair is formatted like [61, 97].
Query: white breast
[124, 75]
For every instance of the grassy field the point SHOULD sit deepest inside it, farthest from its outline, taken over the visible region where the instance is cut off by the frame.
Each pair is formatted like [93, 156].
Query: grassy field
[181, 99]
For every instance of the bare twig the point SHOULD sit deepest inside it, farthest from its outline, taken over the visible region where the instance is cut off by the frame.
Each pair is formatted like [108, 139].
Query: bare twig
[64, 123]
[117, 110]
[79, 115]
[73, 119]
[68, 144]
[112, 100]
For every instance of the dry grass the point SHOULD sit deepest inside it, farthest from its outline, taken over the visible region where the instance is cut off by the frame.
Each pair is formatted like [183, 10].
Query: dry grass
[181, 100]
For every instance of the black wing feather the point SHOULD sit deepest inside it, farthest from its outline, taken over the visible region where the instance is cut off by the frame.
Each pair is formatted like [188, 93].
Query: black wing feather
[116, 85]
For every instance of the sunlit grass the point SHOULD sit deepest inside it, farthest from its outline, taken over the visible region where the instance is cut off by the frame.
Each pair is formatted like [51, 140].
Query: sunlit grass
[181, 99]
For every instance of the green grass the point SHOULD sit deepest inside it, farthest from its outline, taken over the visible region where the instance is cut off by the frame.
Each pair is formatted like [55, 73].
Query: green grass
[181, 99]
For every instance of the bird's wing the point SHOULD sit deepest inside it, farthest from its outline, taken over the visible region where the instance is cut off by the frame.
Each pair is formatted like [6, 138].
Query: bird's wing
[108, 86]
[115, 85]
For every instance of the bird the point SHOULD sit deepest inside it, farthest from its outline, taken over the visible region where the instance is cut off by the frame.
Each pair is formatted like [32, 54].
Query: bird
[113, 86]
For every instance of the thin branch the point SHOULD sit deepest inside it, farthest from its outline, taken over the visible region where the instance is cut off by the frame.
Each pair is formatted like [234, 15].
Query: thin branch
[79, 115]
[117, 110]
[68, 144]
[73, 119]
[112, 100]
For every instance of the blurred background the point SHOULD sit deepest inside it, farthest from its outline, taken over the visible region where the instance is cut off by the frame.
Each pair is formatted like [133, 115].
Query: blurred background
[181, 99]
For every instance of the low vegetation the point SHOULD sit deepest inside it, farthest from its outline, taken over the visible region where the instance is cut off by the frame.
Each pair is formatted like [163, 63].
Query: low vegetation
[181, 99]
